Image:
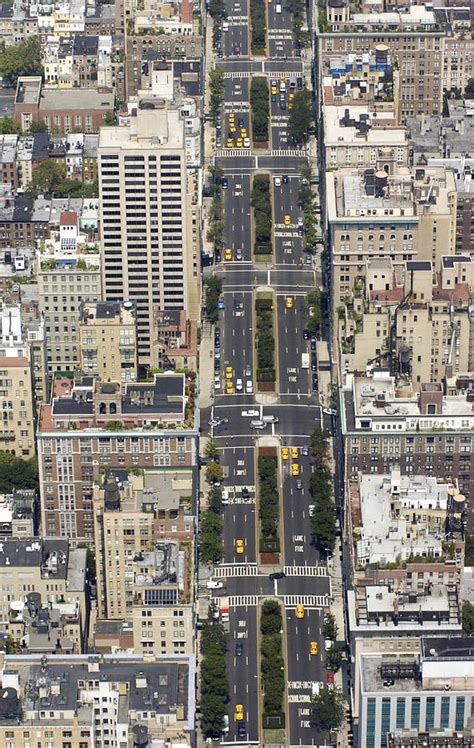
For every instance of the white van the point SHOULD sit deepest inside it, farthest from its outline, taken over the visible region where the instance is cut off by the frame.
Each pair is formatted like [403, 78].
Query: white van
[225, 26]
[214, 585]
[278, 8]
[225, 724]
[270, 419]
[277, 181]
[258, 425]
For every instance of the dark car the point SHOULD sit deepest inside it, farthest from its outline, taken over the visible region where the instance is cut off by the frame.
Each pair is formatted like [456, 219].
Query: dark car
[239, 650]
[241, 730]
[224, 183]
[299, 484]
[283, 105]
[245, 494]
[241, 122]
[306, 334]
[217, 366]
[217, 333]
[313, 344]
[299, 82]
[315, 382]
[237, 304]
[237, 48]
[277, 575]
[284, 178]
[274, 98]
[314, 365]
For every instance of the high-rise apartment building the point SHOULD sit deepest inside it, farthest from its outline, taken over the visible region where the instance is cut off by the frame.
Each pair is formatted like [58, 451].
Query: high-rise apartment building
[148, 220]
[108, 341]
[67, 276]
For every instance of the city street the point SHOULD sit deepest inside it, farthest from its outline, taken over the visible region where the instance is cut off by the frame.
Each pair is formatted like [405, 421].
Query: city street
[293, 406]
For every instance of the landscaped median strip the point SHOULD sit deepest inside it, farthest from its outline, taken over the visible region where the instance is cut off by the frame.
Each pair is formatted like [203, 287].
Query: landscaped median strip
[262, 215]
[260, 109]
[268, 505]
[258, 27]
[272, 666]
[265, 341]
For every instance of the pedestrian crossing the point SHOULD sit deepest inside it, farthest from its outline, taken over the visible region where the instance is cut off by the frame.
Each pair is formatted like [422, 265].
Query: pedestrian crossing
[227, 152]
[305, 571]
[309, 601]
[236, 570]
[289, 601]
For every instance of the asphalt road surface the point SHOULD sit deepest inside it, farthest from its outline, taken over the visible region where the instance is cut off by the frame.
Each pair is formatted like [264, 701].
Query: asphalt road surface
[294, 405]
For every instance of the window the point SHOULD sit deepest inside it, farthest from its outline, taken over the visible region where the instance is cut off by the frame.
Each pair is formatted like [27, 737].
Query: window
[430, 709]
[445, 711]
[385, 716]
[415, 713]
[459, 723]
[370, 742]
[400, 713]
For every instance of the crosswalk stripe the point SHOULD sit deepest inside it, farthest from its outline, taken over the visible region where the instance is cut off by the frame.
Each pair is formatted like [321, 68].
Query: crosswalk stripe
[236, 570]
[289, 601]
[309, 601]
[305, 571]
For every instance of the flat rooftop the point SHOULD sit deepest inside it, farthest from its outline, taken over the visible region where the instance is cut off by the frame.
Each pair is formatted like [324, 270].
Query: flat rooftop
[76, 98]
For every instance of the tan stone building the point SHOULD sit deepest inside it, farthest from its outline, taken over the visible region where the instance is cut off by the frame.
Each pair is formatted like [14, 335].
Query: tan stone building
[108, 342]
[418, 56]
[149, 221]
[402, 217]
[419, 325]
[17, 429]
[143, 538]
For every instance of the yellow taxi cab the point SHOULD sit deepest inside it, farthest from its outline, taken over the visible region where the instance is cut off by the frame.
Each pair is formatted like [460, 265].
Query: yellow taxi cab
[274, 90]
[239, 712]
[229, 143]
[232, 128]
[299, 612]
[229, 388]
[227, 254]
[285, 453]
[289, 302]
[291, 95]
[282, 78]
[295, 453]
[243, 132]
[239, 546]
[287, 220]
[295, 468]
[313, 648]
[229, 372]
[239, 143]
[290, 105]
[231, 116]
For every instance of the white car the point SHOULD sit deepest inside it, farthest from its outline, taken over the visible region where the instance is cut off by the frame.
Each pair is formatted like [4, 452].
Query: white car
[217, 383]
[246, 142]
[250, 413]
[239, 385]
[249, 386]
[330, 411]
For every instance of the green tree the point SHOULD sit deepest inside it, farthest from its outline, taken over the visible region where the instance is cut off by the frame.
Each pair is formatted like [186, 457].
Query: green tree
[38, 127]
[216, 88]
[328, 709]
[468, 618]
[330, 627]
[334, 657]
[8, 126]
[210, 537]
[213, 292]
[214, 499]
[213, 472]
[17, 473]
[210, 450]
[109, 119]
[47, 176]
[260, 107]
[21, 59]
[301, 115]
[469, 90]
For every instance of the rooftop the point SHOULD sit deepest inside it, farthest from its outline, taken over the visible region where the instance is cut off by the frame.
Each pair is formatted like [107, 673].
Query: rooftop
[163, 684]
[108, 312]
[76, 98]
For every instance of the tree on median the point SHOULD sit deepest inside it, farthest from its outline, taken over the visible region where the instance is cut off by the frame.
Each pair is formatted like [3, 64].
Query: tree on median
[301, 116]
